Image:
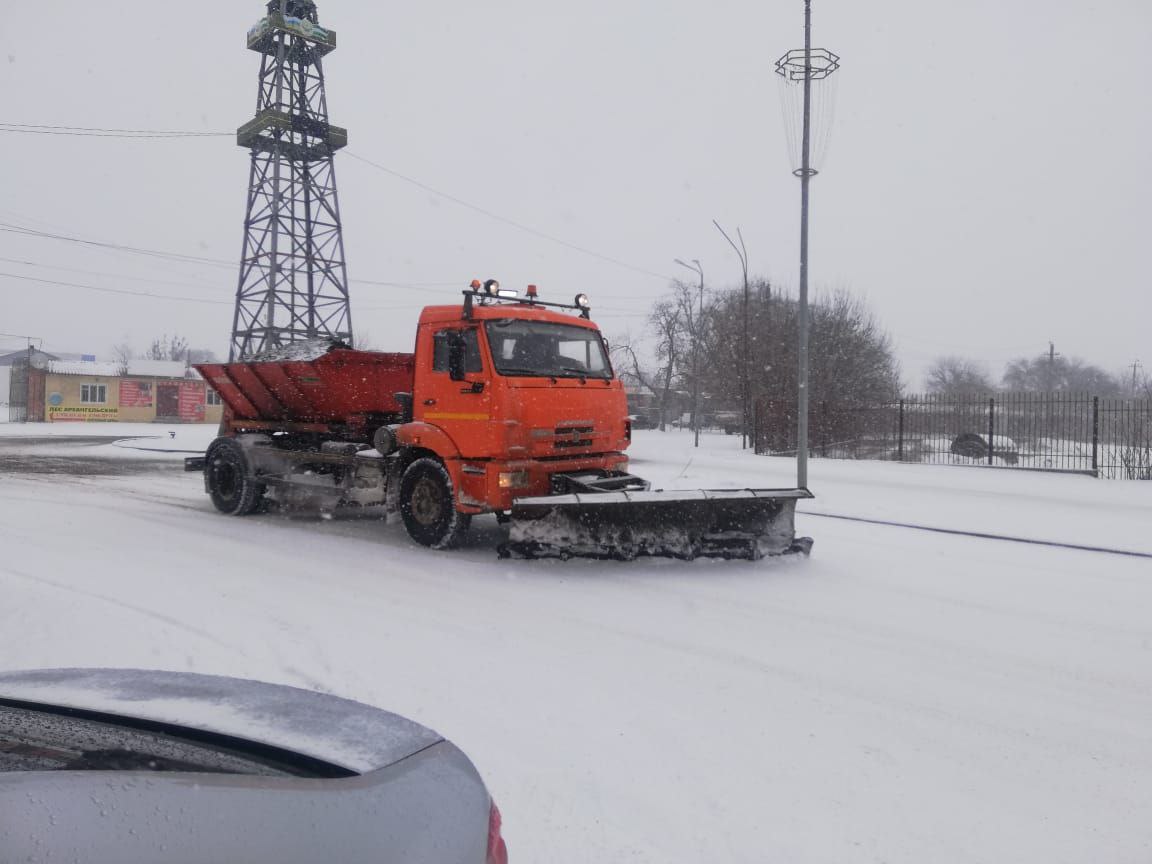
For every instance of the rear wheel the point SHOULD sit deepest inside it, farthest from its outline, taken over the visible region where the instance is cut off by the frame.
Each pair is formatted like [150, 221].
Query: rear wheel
[428, 506]
[230, 485]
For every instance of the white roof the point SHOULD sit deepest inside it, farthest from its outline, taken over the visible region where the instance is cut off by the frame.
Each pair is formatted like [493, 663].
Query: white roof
[158, 368]
[82, 367]
[111, 369]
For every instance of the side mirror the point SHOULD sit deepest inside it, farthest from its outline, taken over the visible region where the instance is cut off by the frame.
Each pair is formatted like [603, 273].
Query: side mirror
[456, 348]
[404, 400]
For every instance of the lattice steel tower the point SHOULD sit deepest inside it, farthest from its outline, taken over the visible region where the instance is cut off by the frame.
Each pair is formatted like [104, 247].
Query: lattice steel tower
[293, 283]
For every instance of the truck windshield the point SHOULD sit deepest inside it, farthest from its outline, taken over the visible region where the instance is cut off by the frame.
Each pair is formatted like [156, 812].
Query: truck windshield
[542, 349]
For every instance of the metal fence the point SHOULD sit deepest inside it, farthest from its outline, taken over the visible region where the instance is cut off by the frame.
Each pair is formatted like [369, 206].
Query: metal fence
[1073, 432]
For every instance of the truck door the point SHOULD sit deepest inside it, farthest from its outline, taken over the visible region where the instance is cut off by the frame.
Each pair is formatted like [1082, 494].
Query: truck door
[462, 408]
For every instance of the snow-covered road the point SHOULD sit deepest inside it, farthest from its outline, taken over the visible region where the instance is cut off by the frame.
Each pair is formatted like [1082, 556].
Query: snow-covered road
[899, 696]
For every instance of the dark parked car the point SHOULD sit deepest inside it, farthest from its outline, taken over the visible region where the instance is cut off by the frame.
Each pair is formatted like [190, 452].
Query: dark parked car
[116, 766]
[975, 446]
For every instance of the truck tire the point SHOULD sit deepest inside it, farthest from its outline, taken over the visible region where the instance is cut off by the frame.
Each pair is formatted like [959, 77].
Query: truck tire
[230, 485]
[428, 506]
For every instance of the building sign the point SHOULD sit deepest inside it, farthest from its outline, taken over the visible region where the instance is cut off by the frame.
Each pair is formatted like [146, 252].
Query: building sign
[191, 401]
[291, 24]
[305, 28]
[257, 30]
[135, 394]
[82, 413]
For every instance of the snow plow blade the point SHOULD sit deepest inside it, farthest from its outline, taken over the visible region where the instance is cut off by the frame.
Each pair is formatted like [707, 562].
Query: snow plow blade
[715, 523]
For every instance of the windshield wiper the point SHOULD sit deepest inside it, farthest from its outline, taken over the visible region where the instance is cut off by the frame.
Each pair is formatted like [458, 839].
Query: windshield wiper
[583, 373]
[521, 370]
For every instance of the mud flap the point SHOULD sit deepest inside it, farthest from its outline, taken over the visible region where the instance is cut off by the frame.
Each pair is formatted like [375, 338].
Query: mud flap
[717, 523]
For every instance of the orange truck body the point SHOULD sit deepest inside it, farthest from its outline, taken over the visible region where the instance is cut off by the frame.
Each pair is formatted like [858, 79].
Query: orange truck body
[499, 436]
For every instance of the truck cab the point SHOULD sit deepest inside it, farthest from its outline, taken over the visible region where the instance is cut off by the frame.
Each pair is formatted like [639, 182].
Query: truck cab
[515, 398]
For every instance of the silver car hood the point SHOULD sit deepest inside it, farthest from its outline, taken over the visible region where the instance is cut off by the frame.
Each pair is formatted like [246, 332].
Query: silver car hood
[344, 733]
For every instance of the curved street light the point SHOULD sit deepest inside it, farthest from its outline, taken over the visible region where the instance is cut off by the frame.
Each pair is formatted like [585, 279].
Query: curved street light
[698, 269]
[745, 375]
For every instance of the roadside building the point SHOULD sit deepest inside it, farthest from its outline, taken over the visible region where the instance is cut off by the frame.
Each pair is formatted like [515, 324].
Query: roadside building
[146, 391]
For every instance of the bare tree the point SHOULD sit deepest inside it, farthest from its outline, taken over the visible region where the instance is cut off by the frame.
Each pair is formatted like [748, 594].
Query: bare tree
[852, 366]
[666, 324]
[1056, 374]
[122, 354]
[954, 375]
[628, 365]
[167, 347]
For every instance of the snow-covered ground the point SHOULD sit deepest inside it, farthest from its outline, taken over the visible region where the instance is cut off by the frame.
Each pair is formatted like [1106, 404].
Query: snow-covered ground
[900, 696]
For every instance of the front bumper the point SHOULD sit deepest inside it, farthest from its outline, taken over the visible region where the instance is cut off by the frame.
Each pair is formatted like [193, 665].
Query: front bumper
[481, 488]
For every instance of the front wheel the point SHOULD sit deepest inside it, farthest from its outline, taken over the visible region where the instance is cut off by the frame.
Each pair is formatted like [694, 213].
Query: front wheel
[427, 505]
[230, 485]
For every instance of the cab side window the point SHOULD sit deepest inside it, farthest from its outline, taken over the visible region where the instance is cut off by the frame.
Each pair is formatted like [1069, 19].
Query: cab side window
[472, 361]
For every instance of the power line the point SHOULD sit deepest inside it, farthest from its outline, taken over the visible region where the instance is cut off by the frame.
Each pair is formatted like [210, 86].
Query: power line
[95, 132]
[178, 257]
[150, 294]
[158, 133]
[418, 286]
[105, 275]
[136, 250]
[511, 222]
[154, 296]
[112, 290]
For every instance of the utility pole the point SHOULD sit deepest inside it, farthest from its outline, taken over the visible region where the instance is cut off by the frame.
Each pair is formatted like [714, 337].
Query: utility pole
[1136, 364]
[699, 270]
[1052, 355]
[746, 385]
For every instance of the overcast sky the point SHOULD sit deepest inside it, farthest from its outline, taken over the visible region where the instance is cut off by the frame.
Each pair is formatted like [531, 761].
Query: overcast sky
[985, 190]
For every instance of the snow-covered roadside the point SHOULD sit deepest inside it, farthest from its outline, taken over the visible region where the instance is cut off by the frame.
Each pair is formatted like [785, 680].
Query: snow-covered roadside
[1069, 508]
[135, 441]
[899, 696]
[98, 430]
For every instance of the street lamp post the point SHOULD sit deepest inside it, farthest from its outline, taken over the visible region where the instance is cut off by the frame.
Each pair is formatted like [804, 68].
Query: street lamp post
[699, 270]
[804, 67]
[745, 375]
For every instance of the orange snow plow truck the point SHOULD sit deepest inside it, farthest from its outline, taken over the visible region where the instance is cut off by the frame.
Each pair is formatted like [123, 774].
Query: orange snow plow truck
[508, 405]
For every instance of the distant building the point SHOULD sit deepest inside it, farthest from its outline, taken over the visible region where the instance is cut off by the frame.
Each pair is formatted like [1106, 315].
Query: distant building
[15, 358]
[161, 391]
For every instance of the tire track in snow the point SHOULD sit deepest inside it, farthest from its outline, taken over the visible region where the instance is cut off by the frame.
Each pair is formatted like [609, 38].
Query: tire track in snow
[123, 604]
[983, 535]
[163, 618]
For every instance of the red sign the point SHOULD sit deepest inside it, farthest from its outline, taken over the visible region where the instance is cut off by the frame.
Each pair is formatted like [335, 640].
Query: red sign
[191, 405]
[135, 394]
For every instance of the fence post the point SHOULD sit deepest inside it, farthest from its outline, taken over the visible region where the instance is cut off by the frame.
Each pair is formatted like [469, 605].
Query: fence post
[900, 433]
[1095, 436]
[991, 425]
[824, 428]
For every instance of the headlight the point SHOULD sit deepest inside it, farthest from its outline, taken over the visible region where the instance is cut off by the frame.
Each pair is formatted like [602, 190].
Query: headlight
[512, 479]
[492, 287]
[582, 301]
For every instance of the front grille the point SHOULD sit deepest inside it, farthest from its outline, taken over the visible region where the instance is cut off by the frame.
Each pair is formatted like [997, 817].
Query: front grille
[572, 436]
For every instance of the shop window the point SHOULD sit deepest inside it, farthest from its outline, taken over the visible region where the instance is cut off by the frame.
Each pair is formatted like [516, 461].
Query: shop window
[94, 394]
